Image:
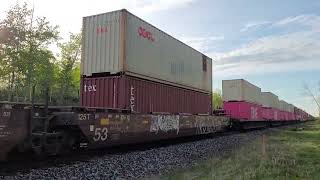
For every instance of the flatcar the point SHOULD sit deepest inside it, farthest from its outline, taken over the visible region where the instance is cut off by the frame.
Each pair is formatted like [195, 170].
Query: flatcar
[51, 130]
[54, 130]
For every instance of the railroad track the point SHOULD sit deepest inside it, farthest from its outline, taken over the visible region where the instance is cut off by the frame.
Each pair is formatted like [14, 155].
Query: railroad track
[26, 162]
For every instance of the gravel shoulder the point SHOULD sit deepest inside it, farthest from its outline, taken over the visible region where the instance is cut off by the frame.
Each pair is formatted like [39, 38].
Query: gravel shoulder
[146, 163]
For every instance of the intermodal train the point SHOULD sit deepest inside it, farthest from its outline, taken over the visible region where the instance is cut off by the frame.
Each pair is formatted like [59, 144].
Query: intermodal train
[138, 84]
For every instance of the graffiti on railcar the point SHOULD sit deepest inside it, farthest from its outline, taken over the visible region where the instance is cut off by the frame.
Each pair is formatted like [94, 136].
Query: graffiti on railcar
[186, 122]
[165, 123]
[204, 125]
[208, 124]
[125, 120]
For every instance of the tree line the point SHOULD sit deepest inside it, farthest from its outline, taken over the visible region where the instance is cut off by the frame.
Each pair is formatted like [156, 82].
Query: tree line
[27, 61]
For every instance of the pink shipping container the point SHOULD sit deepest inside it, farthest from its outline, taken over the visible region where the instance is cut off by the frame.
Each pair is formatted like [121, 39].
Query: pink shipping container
[281, 116]
[300, 114]
[287, 115]
[267, 113]
[243, 110]
[142, 96]
[291, 116]
[276, 114]
[284, 116]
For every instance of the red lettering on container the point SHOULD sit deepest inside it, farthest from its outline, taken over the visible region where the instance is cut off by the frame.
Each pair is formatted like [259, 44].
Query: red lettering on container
[145, 34]
[101, 30]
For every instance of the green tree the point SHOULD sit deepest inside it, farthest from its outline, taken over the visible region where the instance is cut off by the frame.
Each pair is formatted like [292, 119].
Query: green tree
[217, 101]
[38, 69]
[13, 29]
[69, 74]
[25, 50]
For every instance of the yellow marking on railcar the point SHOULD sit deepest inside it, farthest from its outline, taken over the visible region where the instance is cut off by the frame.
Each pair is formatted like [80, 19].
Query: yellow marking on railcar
[104, 121]
[145, 122]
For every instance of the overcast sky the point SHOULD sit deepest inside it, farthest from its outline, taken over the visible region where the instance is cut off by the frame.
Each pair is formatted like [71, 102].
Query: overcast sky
[273, 44]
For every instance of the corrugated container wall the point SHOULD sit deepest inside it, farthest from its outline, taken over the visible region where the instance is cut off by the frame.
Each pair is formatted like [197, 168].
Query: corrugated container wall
[243, 110]
[282, 105]
[240, 90]
[277, 104]
[287, 107]
[267, 113]
[101, 44]
[121, 42]
[269, 99]
[141, 96]
[276, 113]
[291, 108]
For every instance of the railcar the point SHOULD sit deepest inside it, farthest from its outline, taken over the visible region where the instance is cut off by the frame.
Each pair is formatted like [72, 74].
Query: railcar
[54, 130]
[51, 130]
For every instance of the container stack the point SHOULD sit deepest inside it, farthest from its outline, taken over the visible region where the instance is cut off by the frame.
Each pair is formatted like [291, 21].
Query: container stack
[240, 90]
[242, 99]
[270, 105]
[269, 100]
[129, 64]
[245, 101]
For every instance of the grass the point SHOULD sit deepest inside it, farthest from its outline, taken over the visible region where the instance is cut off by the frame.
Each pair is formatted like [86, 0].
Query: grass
[292, 153]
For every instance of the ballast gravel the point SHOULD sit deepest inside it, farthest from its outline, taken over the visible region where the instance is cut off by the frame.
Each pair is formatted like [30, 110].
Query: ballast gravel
[142, 164]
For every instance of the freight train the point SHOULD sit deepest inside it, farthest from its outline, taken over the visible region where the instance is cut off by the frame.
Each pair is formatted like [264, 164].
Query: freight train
[138, 84]
[249, 107]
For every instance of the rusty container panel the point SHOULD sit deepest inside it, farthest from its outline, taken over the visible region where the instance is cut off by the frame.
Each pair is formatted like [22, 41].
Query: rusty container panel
[101, 92]
[100, 43]
[142, 96]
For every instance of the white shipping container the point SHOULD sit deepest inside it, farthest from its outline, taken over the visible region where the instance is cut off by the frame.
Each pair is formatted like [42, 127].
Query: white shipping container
[283, 106]
[240, 90]
[119, 41]
[277, 104]
[269, 99]
[291, 108]
[288, 107]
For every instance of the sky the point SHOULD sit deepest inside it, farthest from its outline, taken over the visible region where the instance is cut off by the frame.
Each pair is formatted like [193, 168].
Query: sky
[272, 44]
